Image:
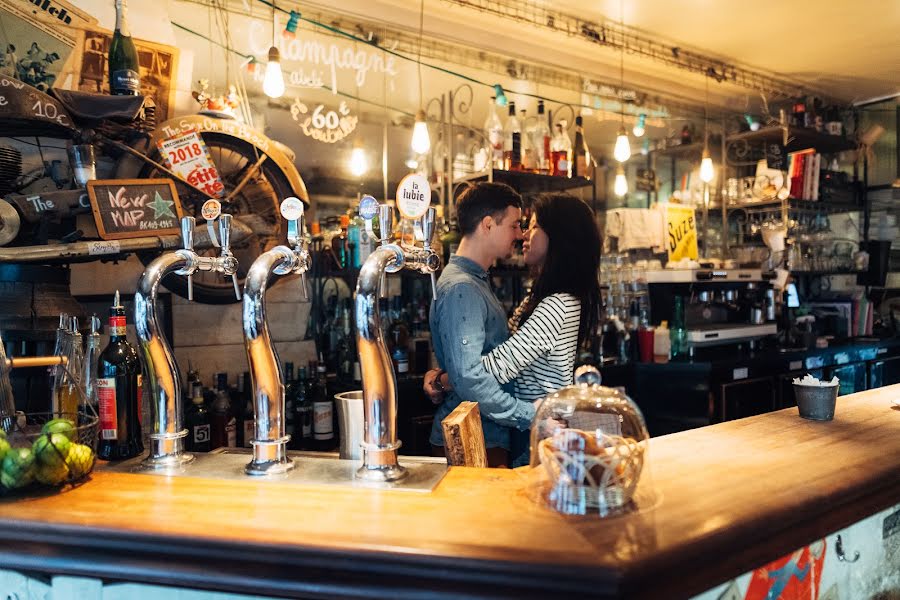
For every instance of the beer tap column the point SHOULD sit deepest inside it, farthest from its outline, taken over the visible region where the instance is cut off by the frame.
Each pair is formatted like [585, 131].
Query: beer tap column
[166, 397]
[380, 443]
[269, 439]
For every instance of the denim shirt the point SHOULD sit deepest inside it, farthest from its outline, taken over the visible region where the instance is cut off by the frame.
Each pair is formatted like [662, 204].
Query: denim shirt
[467, 321]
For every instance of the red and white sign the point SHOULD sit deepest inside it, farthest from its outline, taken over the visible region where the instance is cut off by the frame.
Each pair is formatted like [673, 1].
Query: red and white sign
[189, 158]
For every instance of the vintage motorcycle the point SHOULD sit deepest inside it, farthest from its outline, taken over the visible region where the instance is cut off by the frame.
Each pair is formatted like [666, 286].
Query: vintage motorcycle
[39, 207]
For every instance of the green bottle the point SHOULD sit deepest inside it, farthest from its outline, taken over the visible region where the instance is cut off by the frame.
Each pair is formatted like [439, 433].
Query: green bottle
[124, 68]
[677, 333]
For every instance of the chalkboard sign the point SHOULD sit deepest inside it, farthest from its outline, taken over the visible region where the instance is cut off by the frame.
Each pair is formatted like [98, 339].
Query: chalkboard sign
[130, 208]
[776, 157]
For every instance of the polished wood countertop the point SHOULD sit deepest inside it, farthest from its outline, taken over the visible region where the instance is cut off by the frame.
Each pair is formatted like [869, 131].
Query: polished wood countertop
[730, 498]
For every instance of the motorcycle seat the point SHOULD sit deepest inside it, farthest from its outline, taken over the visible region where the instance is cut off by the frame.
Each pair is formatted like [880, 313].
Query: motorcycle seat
[88, 107]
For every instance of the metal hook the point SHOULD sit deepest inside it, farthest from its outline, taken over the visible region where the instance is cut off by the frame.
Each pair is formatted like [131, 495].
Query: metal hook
[839, 548]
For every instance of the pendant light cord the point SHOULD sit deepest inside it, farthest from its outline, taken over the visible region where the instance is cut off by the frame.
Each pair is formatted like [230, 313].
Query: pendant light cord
[622, 66]
[419, 57]
[706, 115]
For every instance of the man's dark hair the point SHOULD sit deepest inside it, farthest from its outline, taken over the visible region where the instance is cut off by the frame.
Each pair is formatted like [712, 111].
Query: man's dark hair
[482, 200]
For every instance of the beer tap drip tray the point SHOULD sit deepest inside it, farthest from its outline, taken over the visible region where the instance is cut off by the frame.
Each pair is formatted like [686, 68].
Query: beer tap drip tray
[310, 469]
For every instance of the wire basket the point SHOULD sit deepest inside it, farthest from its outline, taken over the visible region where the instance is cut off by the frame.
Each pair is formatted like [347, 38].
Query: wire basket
[50, 449]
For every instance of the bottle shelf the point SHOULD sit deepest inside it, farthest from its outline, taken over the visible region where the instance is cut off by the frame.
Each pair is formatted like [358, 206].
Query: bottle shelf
[799, 138]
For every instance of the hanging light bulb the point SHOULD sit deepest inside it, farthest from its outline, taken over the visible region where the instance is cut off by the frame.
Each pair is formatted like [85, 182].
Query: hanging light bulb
[707, 172]
[358, 162]
[273, 84]
[421, 142]
[623, 148]
[638, 130]
[621, 184]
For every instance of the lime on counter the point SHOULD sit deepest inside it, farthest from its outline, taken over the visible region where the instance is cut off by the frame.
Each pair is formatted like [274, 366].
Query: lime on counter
[52, 449]
[18, 468]
[80, 460]
[64, 426]
[51, 475]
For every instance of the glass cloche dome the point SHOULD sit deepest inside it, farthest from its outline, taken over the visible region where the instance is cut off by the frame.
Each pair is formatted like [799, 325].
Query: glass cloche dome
[588, 447]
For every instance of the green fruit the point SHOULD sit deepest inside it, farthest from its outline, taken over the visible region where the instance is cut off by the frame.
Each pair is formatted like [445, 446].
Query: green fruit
[51, 450]
[18, 468]
[51, 475]
[64, 426]
[4, 448]
[80, 460]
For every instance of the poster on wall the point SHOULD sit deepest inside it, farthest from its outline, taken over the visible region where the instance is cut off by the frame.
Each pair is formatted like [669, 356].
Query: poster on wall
[37, 40]
[158, 64]
[681, 232]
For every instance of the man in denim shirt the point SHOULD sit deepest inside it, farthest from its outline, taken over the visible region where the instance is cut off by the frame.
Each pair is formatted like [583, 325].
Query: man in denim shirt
[467, 320]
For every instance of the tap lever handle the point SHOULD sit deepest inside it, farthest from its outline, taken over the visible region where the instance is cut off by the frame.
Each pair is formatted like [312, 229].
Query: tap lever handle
[225, 233]
[428, 226]
[294, 232]
[303, 287]
[237, 290]
[187, 232]
[386, 222]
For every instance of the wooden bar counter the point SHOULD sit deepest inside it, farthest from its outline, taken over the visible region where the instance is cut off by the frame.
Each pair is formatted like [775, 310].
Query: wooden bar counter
[731, 497]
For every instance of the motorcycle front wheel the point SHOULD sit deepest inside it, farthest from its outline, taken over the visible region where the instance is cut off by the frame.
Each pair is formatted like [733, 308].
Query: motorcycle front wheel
[256, 206]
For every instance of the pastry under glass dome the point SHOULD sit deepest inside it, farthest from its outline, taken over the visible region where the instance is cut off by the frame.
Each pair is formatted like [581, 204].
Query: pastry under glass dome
[588, 447]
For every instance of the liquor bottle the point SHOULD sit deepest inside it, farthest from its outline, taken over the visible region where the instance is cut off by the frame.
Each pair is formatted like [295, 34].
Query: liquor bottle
[528, 160]
[303, 414]
[119, 392]
[124, 68]
[560, 151]
[197, 422]
[224, 425]
[677, 333]
[581, 155]
[242, 405]
[289, 425]
[89, 372]
[355, 230]
[512, 142]
[69, 399]
[323, 412]
[542, 141]
[493, 131]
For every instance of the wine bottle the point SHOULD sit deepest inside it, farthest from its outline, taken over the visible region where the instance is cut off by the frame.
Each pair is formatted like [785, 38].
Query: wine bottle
[542, 141]
[119, 392]
[124, 68]
[493, 131]
[581, 155]
[197, 422]
[512, 146]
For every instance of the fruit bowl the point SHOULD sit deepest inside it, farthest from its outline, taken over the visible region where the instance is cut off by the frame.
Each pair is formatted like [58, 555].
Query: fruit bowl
[49, 449]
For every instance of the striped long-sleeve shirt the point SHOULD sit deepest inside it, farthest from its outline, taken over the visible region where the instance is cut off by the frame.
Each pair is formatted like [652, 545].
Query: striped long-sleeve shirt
[540, 356]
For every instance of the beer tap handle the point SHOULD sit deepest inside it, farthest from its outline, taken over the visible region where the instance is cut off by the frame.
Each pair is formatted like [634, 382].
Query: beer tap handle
[225, 239]
[294, 236]
[428, 229]
[385, 222]
[303, 287]
[187, 239]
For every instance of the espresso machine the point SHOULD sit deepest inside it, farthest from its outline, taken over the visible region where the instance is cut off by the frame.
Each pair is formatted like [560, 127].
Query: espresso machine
[721, 306]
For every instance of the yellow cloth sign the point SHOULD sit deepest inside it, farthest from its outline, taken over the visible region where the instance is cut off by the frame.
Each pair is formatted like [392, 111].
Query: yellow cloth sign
[681, 232]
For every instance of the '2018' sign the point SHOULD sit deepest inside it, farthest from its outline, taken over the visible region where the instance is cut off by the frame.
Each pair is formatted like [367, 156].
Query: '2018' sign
[324, 125]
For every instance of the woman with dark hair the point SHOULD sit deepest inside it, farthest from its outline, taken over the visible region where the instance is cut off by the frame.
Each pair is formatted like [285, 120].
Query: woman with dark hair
[562, 249]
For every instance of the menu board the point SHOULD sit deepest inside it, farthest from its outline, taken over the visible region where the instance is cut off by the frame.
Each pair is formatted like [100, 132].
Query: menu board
[130, 208]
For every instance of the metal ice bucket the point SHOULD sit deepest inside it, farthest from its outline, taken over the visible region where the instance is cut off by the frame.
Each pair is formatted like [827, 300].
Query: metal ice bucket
[816, 403]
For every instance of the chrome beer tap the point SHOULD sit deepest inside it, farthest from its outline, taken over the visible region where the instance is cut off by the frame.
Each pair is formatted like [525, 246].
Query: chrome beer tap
[269, 439]
[166, 399]
[380, 443]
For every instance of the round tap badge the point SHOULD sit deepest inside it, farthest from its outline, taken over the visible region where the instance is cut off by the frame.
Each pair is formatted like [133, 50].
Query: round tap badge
[368, 207]
[291, 208]
[211, 210]
[413, 196]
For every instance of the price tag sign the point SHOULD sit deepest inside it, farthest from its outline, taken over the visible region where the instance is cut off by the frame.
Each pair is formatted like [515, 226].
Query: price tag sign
[189, 158]
[291, 208]
[211, 210]
[413, 196]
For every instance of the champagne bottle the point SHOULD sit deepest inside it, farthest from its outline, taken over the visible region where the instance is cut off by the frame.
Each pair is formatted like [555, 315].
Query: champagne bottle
[124, 69]
[119, 392]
